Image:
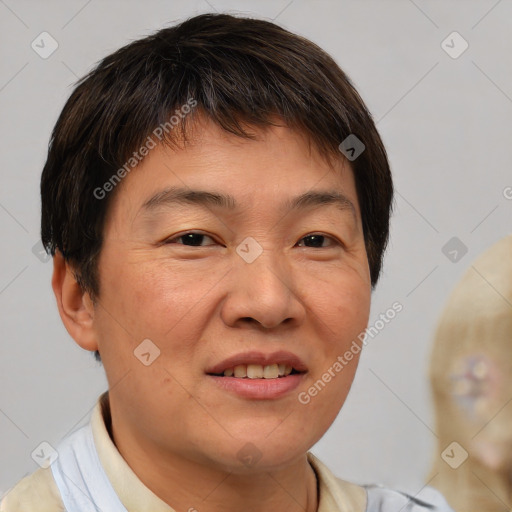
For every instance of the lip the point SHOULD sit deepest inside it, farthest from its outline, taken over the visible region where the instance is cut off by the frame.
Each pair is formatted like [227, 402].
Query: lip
[259, 389]
[254, 357]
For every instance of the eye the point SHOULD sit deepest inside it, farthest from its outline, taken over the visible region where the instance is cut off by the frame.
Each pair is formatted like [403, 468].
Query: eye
[317, 241]
[190, 239]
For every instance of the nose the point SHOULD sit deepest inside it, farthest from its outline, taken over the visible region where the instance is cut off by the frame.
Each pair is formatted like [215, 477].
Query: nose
[263, 293]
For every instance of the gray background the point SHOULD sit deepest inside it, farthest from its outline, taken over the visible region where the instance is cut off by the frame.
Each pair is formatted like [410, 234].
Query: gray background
[447, 127]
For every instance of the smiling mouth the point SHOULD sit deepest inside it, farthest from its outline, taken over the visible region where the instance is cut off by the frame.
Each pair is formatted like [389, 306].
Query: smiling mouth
[257, 371]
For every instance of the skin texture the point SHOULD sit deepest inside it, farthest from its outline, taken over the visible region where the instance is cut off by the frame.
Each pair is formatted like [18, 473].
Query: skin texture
[175, 427]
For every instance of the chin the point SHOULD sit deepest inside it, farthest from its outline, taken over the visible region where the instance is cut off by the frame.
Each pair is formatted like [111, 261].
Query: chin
[255, 453]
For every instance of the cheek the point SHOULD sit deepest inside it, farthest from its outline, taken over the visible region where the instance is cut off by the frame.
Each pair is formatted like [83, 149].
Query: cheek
[353, 311]
[324, 394]
[342, 306]
[341, 302]
[154, 294]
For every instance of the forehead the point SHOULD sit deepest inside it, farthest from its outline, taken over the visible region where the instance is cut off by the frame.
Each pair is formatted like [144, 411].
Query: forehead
[278, 162]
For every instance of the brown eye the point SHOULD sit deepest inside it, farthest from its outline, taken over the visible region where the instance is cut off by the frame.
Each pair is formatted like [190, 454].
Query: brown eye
[190, 239]
[316, 241]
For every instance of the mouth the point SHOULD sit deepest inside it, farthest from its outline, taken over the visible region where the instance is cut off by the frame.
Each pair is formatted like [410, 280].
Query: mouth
[259, 376]
[257, 365]
[258, 371]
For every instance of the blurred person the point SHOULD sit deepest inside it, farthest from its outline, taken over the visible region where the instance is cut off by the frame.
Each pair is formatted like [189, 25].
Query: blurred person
[471, 376]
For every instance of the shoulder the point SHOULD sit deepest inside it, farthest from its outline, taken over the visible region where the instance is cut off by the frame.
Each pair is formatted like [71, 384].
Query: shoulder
[380, 499]
[35, 493]
[342, 496]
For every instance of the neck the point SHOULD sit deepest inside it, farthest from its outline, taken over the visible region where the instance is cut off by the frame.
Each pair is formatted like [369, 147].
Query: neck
[185, 484]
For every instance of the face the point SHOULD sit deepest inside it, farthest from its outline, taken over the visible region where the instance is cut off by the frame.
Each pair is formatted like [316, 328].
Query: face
[273, 275]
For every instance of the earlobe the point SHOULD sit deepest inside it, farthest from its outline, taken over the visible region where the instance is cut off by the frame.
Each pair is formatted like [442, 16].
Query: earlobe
[75, 306]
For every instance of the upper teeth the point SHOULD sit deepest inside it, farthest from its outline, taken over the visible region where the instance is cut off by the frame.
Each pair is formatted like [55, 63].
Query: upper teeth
[257, 371]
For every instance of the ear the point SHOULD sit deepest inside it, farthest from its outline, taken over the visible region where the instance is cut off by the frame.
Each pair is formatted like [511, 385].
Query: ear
[76, 308]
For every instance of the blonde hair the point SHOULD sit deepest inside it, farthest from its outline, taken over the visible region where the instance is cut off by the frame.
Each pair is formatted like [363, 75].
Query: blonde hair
[471, 378]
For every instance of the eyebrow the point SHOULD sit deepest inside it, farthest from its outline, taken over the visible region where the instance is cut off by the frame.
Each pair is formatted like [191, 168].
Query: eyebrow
[185, 196]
